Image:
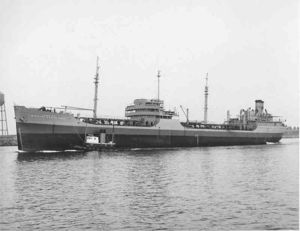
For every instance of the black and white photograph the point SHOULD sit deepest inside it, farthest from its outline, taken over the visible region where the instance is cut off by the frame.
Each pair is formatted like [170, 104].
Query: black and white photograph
[149, 114]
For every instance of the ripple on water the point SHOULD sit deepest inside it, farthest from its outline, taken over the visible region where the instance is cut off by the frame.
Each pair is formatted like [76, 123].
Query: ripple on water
[211, 188]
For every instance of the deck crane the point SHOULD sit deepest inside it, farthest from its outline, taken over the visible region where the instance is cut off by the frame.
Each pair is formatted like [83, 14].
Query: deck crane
[186, 114]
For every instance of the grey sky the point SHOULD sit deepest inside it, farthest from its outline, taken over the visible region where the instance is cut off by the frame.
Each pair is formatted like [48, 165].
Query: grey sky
[250, 49]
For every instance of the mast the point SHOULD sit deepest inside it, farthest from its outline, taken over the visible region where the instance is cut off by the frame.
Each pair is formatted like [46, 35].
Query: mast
[206, 98]
[158, 76]
[96, 89]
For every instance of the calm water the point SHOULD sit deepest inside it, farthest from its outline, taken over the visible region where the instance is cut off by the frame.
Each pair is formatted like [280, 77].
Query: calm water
[211, 188]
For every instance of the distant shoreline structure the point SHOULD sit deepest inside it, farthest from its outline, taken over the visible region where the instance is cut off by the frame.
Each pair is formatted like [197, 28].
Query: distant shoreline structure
[291, 132]
[8, 140]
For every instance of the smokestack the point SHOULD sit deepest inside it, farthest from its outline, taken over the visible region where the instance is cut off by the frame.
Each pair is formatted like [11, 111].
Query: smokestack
[205, 98]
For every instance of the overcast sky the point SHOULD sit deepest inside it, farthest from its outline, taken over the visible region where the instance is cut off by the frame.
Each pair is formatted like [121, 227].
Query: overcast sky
[250, 48]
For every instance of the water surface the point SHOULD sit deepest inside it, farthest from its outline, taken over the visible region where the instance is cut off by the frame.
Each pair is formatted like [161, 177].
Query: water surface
[210, 188]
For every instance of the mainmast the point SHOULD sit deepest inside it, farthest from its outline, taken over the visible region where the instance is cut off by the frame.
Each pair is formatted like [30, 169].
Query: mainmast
[158, 76]
[206, 98]
[96, 89]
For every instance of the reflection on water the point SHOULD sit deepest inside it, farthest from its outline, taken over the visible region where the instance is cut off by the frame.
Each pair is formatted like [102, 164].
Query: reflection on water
[49, 156]
[240, 187]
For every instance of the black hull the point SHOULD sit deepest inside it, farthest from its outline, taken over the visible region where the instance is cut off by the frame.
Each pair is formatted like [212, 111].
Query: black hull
[59, 142]
[36, 137]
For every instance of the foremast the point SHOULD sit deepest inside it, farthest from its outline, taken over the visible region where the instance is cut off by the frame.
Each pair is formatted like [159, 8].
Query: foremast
[206, 99]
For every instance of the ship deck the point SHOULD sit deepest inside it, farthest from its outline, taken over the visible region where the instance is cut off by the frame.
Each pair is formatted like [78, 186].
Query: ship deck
[135, 123]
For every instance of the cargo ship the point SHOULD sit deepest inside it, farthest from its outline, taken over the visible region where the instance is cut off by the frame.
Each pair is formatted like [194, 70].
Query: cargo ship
[146, 124]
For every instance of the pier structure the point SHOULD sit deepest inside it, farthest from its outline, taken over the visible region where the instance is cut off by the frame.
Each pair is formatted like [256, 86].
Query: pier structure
[3, 118]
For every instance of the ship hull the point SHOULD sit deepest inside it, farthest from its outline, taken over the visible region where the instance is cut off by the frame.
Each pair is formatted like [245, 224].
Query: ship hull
[34, 137]
[44, 130]
[34, 142]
